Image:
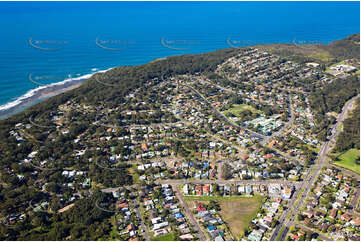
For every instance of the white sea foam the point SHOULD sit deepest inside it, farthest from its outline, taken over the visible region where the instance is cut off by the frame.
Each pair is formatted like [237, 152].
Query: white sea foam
[33, 92]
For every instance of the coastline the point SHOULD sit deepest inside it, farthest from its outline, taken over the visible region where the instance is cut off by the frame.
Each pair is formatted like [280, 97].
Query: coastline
[41, 93]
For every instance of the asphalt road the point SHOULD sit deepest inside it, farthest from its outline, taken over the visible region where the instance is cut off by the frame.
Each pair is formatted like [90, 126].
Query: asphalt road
[284, 214]
[225, 182]
[309, 229]
[311, 178]
[113, 189]
[286, 125]
[284, 220]
[255, 134]
[188, 213]
[144, 228]
[264, 139]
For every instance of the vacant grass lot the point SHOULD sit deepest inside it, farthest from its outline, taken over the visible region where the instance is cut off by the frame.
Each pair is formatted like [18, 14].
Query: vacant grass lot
[237, 109]
[237, 212]
[347, 160]
[166, 237]
[299, 52]
[323, 56]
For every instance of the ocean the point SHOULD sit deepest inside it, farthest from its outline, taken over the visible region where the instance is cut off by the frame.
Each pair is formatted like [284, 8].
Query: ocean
[44, 43]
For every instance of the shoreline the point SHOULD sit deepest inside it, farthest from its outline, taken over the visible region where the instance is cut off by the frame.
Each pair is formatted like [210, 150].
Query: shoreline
[41, 93]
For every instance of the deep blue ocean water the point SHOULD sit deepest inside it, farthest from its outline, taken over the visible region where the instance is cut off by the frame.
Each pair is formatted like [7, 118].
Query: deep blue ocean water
[49, 42]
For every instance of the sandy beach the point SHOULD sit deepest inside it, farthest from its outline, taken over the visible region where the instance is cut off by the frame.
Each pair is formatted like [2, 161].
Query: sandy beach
[42, 93]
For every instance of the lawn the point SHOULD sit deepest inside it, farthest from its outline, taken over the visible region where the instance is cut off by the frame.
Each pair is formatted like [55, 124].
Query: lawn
[237, 212]
[347, 160]
[237, 109]
[166, 237]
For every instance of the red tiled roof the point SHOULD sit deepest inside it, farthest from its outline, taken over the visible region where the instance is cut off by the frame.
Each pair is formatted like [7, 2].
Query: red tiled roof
[333, 213]
[268, 156]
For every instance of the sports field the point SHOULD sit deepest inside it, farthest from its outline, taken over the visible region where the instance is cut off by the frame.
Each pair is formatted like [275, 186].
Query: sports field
[237, 109]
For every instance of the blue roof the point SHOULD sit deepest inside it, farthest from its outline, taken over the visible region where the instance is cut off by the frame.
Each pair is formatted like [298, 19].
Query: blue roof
[179, 215]
[211, 227]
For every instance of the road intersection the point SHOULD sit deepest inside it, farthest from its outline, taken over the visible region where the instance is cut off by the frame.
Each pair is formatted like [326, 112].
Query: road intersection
[303, 188]
[288, 221]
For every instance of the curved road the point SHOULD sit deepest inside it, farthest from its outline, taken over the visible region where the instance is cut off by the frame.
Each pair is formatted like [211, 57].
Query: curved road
[259, 136]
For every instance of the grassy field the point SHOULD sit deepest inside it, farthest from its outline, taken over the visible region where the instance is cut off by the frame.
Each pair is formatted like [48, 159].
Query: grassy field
[166, 237]
[322, 56]
[347, 160]
[237, 212]
[309, 53]
[237, 109]
[132, 171]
